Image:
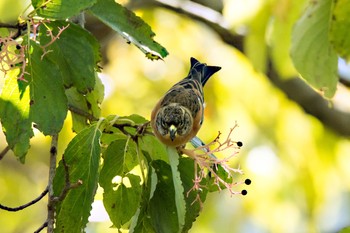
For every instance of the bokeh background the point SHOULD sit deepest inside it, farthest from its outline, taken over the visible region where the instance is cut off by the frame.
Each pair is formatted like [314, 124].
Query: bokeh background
[300, 169]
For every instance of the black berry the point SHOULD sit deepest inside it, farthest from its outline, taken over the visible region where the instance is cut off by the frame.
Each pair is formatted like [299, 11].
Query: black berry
[247, 181]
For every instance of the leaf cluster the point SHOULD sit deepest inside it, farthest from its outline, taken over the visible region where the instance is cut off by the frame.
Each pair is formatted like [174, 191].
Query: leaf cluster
[146, 185]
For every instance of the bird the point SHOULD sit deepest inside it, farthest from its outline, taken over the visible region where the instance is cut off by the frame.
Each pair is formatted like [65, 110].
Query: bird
[178, 115]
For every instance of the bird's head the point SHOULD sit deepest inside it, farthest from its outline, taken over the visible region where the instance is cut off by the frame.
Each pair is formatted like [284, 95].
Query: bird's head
[174, 121]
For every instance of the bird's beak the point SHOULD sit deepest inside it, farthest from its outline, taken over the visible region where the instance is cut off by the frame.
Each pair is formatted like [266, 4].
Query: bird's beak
[172, 131]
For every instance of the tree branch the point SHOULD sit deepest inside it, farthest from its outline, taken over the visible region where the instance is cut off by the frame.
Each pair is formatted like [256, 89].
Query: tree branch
[80, 112]
[204, 14]
[52, 171]
[68, 185]
[43, 194]
[20, 28]
[4, 152]
[295, 88]
[41, 227]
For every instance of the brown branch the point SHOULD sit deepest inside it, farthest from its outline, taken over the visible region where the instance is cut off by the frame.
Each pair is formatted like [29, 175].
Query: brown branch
[199, 12]
[41, 227]
[312, 102]
[51, 206]
[295, 88]
[52, 171]
[21, 207]
[141, 129]
[68, 185]
[4, 152]
[19, 26]
[80, 112]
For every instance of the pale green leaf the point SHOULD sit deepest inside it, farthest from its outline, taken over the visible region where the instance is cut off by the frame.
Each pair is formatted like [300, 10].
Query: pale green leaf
[179, 189]
[339, 29]
[82, 157]
[14, 115]
[129, 26]
[311, 51]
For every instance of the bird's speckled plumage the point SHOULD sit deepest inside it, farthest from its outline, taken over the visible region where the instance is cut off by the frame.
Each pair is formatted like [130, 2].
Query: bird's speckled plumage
[178, 116]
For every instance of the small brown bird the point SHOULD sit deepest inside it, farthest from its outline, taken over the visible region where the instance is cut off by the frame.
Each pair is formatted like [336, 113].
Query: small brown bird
[178, 116]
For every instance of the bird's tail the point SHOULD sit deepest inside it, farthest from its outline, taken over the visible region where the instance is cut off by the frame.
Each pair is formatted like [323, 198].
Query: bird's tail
[202, 68]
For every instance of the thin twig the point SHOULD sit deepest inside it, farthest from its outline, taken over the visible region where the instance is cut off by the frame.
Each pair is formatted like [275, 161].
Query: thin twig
[4, 152]
[43, 194]
[41, 227]
[82, 113]
[68, 186]
[20, 28]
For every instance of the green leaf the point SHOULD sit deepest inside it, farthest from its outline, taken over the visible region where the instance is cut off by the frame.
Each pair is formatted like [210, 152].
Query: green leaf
[339, 29]
[76, 52]
[311, 52]
[82, 157]
[122, 203]
[129, 123]
[14, 115]
[285, 15]
[111, 135]
[141, 222]
[122, 190]
[162, 206]
[47, 98]
[88, 103]
[157, 212]
[130, 26]
[60, 9]
[154, 148]
[95, 97]
[179, 189]
[78, 101]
